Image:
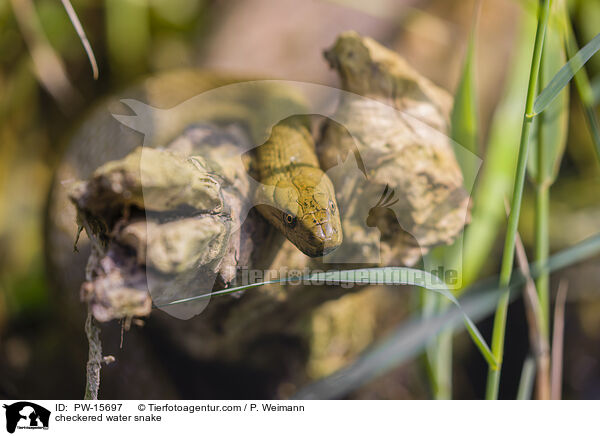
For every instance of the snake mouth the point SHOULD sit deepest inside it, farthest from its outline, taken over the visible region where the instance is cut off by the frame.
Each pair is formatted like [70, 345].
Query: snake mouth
[328, 249]
[323, 239]
[319, 250]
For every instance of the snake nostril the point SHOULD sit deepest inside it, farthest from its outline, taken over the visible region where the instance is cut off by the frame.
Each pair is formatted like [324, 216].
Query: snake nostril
[326, 229]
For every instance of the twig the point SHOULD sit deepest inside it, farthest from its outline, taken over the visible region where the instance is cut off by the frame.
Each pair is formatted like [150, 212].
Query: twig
[557, 340]
[95, 360]
[82, 36]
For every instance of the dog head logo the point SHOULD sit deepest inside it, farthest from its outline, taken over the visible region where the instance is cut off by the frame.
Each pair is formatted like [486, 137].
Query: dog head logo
[26, 415]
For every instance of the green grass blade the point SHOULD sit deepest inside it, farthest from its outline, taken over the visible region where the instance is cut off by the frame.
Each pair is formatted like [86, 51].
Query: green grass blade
[496, 179]
[551, 126]
[390, 275]
[464, 112]
[564, 76]
[372, 276]
[584, 250]
[439, 364]
[481, 343]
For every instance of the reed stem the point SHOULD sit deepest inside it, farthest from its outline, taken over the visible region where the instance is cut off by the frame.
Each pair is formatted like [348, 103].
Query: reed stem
[499, 328]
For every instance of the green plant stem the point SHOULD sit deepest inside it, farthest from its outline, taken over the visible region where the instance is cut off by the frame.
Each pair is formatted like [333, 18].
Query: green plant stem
[542, 249]
[493, 380]
[443, 364]
[439, 352]
[542, 214]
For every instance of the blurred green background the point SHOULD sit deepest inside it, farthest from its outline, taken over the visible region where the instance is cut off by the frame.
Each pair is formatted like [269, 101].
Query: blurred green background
[46, 85]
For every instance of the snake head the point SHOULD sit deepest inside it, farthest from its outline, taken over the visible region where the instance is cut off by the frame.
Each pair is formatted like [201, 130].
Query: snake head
[302, 206]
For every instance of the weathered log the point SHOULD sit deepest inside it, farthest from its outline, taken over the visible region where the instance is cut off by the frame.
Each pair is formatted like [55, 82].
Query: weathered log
[156, 220]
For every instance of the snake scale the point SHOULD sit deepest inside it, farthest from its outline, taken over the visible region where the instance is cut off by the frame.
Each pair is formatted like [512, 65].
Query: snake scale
[306, 214]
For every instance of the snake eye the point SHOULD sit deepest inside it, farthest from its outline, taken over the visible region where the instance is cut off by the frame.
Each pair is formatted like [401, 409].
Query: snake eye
[332, 206]
[290, 220]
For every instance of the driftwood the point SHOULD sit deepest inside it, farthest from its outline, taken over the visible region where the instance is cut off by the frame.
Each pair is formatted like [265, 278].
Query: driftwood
[170, 223]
